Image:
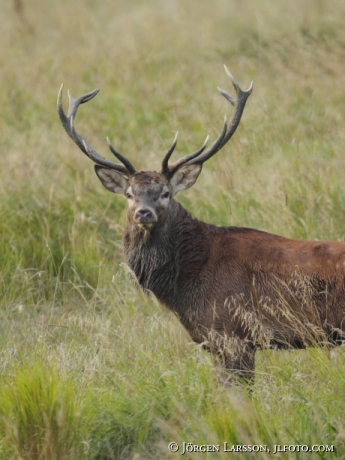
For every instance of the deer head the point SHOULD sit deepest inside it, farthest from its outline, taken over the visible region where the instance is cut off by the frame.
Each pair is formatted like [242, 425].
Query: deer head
[149, 193]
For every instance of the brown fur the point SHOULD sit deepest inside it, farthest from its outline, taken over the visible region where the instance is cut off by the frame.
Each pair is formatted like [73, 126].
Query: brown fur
[239, 289]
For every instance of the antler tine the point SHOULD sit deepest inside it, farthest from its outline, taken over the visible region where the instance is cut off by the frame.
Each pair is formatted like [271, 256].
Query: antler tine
[74, 103]
[94, 156]
[165, 167]
[201, 155]
[173, 167]
[67, 120]
[231, 127]
[68, 124]
[131, 169]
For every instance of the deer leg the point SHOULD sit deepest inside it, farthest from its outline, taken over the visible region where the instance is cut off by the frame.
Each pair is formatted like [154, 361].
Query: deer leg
[241, 364]
[237, 358]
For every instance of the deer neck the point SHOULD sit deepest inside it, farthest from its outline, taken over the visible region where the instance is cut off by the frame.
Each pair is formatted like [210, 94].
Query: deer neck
[155, 256]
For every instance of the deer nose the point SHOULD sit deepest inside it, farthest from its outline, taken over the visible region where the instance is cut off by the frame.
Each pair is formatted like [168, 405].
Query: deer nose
[144, 216]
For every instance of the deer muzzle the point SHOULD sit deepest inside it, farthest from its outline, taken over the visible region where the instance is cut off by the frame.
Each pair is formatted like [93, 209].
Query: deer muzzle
[145, 217]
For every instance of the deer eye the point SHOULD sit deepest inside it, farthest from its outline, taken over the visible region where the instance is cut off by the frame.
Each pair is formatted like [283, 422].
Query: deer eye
[166, 195]
[129, 195]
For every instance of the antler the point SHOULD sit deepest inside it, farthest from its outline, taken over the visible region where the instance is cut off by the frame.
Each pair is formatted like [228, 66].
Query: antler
[202, 155]
[68, 123]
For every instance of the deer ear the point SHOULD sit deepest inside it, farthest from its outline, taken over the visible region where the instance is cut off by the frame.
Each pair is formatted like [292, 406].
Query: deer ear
[185, 177]
[112, 180]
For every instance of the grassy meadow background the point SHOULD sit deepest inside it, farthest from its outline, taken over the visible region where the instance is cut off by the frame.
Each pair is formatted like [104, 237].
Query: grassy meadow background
[90, 368]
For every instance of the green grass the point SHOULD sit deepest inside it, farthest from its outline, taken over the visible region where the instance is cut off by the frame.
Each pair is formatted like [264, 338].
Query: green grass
[90, 367]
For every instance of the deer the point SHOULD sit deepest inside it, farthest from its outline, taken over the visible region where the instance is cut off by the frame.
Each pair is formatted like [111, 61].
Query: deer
[235, 290]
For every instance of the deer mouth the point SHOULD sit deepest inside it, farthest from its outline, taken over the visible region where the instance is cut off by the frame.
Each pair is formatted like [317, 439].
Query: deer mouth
[145, 225]
[145, 218]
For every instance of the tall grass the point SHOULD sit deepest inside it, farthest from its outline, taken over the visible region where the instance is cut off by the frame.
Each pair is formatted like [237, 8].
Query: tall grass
[90, 367]
[40, 414]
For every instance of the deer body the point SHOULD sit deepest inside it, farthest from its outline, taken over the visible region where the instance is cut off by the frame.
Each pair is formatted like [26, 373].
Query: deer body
[234, 289]
[211, 277]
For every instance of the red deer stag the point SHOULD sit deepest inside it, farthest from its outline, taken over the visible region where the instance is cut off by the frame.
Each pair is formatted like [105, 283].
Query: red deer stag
[234, 289]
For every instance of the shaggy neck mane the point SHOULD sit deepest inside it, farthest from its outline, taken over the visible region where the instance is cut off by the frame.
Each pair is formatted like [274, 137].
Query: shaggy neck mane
[167, 258]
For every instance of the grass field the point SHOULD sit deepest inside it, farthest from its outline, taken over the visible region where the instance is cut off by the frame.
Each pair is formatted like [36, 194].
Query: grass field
[90, 367]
